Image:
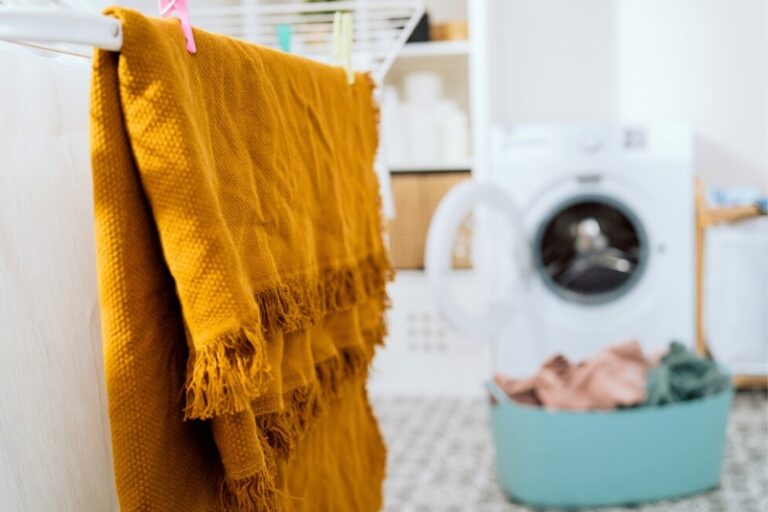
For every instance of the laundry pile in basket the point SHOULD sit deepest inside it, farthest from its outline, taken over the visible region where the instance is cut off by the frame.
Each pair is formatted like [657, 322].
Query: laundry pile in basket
[620, 376]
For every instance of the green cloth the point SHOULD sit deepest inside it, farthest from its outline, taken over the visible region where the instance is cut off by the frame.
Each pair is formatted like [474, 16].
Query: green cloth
[683, 375]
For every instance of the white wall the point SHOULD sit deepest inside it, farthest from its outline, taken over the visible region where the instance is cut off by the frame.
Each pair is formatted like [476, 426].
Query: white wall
[553, 60]
[704, 62]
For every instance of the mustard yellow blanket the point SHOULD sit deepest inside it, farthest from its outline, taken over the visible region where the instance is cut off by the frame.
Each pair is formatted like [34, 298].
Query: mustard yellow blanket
[242, 274]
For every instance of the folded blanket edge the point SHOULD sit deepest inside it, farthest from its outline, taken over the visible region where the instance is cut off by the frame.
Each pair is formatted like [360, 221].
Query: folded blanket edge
[282, 430]
[225, 374]
[252, 493]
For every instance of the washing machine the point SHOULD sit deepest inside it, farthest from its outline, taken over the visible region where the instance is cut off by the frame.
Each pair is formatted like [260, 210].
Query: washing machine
[584, 237]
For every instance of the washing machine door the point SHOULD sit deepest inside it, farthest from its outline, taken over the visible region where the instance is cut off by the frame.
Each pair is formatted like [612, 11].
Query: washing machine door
[590, 249]
[506, 266]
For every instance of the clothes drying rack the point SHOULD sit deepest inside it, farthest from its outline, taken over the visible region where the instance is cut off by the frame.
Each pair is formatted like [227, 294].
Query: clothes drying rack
[37, 27]
[381, 28]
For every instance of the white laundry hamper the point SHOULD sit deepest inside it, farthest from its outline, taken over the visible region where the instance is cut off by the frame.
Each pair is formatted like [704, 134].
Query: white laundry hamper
[736, 295]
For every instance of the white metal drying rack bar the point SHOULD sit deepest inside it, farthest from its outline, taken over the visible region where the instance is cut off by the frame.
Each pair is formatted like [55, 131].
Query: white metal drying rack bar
[31, 26]
[381, 27]
[374, 25]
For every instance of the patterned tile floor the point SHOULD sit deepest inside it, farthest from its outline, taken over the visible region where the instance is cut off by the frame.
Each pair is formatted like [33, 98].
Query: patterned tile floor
[441, 460]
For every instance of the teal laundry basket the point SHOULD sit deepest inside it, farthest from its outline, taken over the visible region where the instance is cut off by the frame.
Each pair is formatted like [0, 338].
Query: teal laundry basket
[599, 458]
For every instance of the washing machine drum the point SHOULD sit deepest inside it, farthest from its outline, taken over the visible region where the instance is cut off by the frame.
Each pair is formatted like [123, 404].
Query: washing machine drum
[587, 249]
[590, 249]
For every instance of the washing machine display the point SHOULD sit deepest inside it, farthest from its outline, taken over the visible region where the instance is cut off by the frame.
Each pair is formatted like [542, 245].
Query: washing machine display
[590, 249]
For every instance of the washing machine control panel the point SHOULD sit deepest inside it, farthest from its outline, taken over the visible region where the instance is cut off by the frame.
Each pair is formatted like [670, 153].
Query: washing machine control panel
[671, 142]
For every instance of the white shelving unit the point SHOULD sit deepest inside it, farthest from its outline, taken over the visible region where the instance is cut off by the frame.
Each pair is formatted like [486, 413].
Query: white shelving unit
[434, 49]
[452, 61]
[423, 355]
[437, 166]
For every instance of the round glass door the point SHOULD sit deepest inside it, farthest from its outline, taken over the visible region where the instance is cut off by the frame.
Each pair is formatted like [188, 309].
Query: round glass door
[591, 249]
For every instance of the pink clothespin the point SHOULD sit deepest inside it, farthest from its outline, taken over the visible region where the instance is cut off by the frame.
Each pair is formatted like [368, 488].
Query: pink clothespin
[180, 10]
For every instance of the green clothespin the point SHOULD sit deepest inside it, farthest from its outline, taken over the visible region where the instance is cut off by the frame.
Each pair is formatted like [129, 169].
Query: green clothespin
[285, 36]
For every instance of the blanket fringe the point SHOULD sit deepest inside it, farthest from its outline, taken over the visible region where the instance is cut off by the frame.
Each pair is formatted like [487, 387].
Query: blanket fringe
[305, 405]
[255, 493]
[280, 432]
[225, 375]
[376, 335]
[300, 303]
[231, 371]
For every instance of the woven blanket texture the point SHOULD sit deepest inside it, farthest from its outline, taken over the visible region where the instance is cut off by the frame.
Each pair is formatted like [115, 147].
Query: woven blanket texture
[241, 271]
